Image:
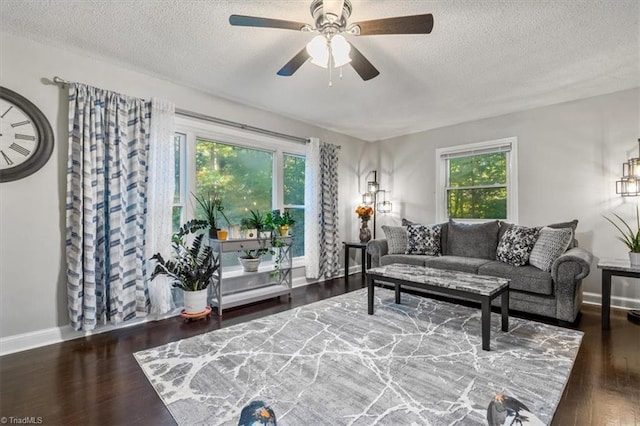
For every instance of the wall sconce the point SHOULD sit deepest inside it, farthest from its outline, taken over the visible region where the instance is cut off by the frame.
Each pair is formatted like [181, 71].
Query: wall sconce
[629, 183]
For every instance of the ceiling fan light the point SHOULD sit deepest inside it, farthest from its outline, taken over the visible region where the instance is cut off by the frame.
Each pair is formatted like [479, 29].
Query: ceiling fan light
[318, 50]
[340, 49]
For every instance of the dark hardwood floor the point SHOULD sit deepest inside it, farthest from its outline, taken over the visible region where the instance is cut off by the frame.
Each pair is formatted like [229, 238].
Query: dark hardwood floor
[96, 380]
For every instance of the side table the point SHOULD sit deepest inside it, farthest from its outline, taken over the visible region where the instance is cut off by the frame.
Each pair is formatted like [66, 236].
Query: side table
[622, 268]
[365, 258]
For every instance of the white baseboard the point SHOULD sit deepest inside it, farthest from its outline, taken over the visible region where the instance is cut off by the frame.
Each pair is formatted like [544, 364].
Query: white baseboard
[36, 339]
[616, 301]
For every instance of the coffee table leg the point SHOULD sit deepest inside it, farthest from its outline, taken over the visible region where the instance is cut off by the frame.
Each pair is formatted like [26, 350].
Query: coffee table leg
[505, 311]
[397, 293]
[606, 297]
[370, 294]
[486, 323]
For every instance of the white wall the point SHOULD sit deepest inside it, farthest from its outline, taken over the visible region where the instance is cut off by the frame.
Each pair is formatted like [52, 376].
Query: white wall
[570, 156]
[32, 269]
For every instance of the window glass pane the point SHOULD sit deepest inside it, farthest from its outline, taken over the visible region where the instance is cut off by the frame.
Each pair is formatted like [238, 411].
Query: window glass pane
[241, 177]
[293, 180]
[478, 170]
[176, 218]
[481, 203]
[297, 231]
[177, 145]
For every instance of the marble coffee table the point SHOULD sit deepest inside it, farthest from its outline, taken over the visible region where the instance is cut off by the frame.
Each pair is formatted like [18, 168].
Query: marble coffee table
[481, 288]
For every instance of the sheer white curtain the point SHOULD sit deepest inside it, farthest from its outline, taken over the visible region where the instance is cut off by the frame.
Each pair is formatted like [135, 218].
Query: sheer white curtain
[160, 200]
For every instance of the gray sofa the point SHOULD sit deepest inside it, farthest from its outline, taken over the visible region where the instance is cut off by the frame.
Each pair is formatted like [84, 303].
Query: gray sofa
[556, 293]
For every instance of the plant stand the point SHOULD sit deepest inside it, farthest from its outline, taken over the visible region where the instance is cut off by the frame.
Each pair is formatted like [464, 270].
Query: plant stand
[193, 317]
[278, 284]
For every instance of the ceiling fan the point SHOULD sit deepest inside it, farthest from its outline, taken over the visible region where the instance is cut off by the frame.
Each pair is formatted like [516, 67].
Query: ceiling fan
[330, 49]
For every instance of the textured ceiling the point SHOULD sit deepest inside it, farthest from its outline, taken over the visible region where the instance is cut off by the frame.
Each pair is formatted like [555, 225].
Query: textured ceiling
[483, 58]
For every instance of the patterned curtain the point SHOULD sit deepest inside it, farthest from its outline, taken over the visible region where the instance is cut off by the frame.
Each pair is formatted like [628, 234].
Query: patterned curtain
[106, 206]
[161, 192]
[322, 243]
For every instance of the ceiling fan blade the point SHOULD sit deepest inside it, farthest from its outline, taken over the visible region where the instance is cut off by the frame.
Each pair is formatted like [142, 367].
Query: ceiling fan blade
[295, 63]
[253, 21]
[414, 24]
[363, 67]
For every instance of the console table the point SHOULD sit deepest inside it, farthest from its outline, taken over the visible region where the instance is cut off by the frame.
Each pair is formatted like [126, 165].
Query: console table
[621, 268]
[482, 288]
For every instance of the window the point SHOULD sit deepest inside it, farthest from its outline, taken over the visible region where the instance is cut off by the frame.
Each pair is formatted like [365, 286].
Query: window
[477, 181]
[180, 142]
[248, 172]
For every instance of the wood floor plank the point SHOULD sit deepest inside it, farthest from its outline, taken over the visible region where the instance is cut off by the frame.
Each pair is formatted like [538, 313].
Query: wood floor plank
[97, 381]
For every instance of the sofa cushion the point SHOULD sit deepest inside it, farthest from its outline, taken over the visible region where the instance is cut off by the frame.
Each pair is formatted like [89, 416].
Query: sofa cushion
[408, 259]
[456, 263]
[550, 245]
[478, 240]
[423, 240]
[523, 278]
[396, 238]
[516, 244]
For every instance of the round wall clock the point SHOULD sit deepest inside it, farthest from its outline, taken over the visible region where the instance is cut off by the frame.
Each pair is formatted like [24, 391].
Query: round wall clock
[26, 138]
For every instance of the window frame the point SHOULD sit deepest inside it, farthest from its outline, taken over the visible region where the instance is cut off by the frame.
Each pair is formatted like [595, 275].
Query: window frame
[486, 147]
[195, 129]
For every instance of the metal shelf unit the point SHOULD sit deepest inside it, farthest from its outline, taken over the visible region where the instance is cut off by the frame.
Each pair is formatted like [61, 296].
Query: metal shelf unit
[279, 282]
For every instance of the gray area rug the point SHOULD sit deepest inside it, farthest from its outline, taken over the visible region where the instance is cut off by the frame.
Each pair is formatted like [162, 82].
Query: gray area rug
[330, 363]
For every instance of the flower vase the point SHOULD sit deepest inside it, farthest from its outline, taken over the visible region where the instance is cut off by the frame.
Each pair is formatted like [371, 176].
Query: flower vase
[365, 232]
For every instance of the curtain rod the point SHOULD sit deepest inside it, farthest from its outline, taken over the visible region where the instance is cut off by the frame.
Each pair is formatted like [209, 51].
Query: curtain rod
[222, 121]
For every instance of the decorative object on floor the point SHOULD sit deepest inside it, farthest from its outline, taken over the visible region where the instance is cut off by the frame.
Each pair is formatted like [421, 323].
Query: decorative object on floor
[257, 413]
[330, 49]
[629, 183]
[505, 410]
[331, 363]
[364, 214]
[629, 237]
[191, 267]
[26, 149]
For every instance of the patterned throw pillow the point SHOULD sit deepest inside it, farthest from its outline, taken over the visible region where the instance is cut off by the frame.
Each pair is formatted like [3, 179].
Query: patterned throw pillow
[423, 239]
[550, 245]
[396, 238]
[516, 244]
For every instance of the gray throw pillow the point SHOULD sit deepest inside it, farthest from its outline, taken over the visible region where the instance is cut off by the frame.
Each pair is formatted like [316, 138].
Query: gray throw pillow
[550, 245]
[396, 238]
[573, 225]
[477, 240]
[423, 240]
[516, 244]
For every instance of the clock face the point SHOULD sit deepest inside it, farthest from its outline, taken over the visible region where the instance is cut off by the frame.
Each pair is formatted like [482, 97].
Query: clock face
[26, 137]
[18, 136]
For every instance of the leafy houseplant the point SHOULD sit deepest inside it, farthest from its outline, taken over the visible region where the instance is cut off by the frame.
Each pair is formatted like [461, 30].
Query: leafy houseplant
[250, 258]
[255, 221]
[191, 267]
[211, 206]
[628, 236]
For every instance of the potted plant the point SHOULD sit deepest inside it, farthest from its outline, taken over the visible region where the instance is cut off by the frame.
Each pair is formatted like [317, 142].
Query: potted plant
[191, 267]
[250, 258]
[212, 206]
[629, 237]
[253, 225]
[285, 223]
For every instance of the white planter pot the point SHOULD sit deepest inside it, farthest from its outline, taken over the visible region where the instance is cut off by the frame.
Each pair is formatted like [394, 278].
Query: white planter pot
[250, 233]
[249, 265]
[195, 301]
[634, 258]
